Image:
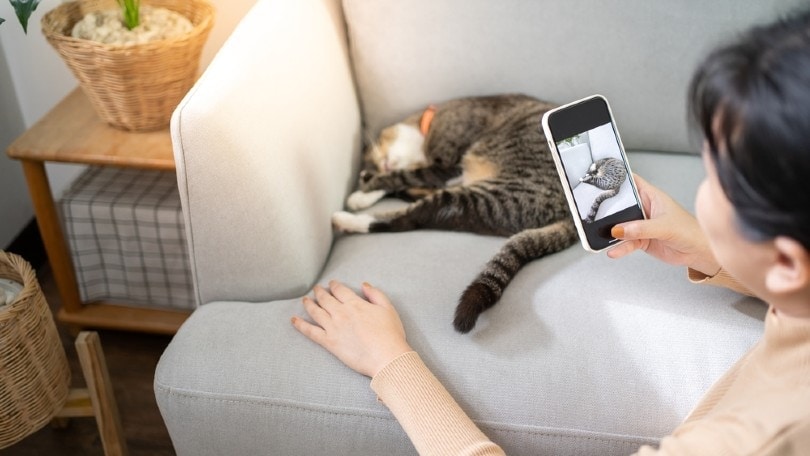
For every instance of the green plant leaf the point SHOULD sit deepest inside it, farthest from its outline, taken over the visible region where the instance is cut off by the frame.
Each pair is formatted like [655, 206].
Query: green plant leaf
[23, 9]
[131, 11]
[2, 20]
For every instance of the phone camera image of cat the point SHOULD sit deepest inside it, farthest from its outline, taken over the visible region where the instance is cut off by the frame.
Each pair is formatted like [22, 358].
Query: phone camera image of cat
[607, 174]
[479, 165]
[596, 173]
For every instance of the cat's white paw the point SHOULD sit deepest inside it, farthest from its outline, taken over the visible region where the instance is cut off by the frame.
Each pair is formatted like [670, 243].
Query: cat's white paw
[362, 200]
[352, 223]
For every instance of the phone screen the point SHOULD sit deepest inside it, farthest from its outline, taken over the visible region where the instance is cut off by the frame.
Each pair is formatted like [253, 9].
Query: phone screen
[595, 168]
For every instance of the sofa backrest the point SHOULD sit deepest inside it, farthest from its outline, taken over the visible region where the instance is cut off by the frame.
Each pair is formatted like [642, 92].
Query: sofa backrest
[640, 54]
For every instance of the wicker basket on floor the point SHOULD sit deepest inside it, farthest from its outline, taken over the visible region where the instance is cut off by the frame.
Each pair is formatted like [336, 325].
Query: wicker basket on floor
[133, 87]
[34, 373]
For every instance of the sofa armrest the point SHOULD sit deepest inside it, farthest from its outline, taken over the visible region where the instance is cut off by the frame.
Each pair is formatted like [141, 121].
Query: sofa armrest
[266, 147]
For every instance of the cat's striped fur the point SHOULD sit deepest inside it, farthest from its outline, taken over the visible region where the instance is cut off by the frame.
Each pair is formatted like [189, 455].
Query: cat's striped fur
[483, 167]
[606, 174]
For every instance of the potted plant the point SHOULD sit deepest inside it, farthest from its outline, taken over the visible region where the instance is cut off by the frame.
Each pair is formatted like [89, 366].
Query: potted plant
[24, 8]
[133, 83]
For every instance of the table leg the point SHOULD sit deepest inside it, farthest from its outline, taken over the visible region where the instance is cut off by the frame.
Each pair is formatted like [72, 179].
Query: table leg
[50, 228]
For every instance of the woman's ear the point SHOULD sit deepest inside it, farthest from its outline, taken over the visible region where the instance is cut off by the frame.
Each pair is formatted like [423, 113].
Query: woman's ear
[791, 270]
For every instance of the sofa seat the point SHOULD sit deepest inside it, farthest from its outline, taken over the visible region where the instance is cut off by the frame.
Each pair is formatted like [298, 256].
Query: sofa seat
[577, 358]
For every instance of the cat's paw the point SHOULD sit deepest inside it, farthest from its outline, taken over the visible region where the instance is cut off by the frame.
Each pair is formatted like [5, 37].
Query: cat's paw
[372, 182]
[352, 223]
[362, 200]
[366, 175]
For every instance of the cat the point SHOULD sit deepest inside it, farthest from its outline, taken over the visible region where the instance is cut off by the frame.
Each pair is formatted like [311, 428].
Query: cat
[482, 165]
[606, 174]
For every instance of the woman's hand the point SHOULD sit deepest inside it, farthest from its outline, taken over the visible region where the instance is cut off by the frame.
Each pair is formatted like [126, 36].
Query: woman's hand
[365, 334]
[670, 233]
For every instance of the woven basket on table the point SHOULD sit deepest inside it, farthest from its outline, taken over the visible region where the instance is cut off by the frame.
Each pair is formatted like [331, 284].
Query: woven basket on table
[133, 87]
[34, 373]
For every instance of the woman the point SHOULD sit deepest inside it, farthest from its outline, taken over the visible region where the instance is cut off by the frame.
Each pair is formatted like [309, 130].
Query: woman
[751, 102]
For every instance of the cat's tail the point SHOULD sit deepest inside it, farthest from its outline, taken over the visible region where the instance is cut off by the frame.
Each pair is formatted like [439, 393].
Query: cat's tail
[598, 202]
[523, 247]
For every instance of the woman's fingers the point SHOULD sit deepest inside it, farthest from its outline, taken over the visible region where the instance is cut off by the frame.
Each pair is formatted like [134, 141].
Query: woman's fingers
[375, 296]
[314, 310]
[621, 250]
[312, 332]
[341, 292]
[325, 299]
[642, 229]
[344, 294]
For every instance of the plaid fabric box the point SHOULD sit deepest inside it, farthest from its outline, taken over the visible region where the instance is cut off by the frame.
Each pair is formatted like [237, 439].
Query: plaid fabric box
[126, 236]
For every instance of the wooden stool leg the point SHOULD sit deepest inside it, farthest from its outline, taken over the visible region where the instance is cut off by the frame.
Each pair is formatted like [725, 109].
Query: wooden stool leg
[94, 367]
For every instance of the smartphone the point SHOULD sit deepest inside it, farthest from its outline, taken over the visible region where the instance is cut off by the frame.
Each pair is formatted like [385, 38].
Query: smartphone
[593, 167]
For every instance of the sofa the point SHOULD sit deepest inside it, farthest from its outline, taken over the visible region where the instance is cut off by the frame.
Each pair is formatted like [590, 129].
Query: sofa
[582, 355]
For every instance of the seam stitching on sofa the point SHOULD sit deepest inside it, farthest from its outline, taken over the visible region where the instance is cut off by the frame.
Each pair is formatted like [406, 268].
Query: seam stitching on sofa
[618, 437]
[265, 403]
[187, 219]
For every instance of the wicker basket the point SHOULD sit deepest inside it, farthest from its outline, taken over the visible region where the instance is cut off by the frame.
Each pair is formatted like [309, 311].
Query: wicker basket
[134, 87]
[34, 373]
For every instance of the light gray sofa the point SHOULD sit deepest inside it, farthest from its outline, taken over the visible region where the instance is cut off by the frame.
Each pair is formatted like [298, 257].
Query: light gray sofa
[583, 355]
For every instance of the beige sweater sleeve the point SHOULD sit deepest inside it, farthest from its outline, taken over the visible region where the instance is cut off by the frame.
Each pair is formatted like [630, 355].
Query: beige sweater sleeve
[721, 279]
[432, 419]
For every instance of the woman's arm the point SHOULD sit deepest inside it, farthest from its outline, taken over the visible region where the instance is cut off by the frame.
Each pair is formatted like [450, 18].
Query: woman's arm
[432, 419]
[368, 336]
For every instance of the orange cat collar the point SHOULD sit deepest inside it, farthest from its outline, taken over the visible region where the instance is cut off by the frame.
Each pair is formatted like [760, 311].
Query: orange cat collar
[427, 118]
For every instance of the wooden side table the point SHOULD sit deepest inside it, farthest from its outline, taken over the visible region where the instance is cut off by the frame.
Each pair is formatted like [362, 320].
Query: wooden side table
[97, 400]
[72, 133]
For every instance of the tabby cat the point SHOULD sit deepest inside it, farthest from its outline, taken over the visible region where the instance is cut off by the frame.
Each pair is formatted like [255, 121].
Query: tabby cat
[482, 166]
[606, 174]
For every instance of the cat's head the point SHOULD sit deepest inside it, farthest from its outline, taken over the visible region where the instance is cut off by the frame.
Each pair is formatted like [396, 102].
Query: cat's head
[590, 174]
[400, 146]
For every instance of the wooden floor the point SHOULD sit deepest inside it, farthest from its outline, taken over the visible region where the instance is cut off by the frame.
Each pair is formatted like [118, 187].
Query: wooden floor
[131, 360]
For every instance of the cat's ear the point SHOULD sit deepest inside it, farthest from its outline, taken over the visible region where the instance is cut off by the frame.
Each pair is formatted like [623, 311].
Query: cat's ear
[790, 272]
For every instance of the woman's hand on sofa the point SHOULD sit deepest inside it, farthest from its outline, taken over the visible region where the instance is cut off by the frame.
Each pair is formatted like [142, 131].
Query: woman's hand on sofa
[365, 334]
[669, 233]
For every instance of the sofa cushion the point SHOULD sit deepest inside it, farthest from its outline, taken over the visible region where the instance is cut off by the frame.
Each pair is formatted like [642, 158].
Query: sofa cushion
[583, 355]
[487, 47]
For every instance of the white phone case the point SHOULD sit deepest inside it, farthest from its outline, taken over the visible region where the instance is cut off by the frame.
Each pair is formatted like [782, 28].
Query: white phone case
[555, 152]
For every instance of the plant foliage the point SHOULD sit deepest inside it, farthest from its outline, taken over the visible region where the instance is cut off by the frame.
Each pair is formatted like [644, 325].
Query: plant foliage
[131, 10]
[23, 10]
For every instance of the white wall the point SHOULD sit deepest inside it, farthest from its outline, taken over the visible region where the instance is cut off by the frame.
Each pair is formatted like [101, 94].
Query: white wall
[33, 79]
[15, 209]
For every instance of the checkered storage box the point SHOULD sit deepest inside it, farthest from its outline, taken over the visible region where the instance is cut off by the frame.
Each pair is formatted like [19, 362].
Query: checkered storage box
[126, 236]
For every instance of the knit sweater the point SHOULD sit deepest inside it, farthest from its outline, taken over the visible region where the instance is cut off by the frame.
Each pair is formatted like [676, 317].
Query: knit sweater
[760, 406]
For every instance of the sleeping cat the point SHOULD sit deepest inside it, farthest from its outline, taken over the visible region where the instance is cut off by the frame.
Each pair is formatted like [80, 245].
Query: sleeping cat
[606, 174]
[477, 164]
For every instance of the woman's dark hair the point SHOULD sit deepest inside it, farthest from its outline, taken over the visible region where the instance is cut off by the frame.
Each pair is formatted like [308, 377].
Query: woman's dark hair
[751, 101]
